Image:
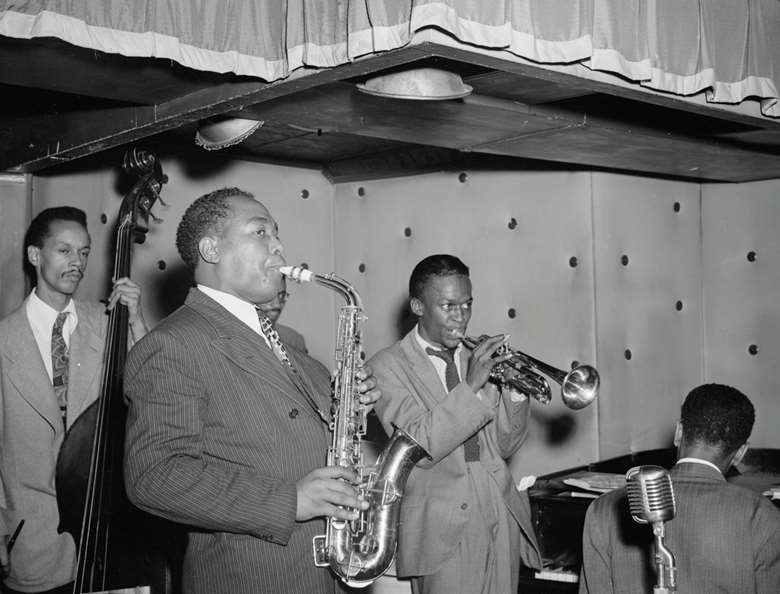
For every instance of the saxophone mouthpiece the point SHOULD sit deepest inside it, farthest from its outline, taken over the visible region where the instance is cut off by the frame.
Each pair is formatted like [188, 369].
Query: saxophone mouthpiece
[297, 273]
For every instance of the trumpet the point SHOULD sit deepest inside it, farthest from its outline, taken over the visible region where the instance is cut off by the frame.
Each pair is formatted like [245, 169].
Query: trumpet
[579, 387]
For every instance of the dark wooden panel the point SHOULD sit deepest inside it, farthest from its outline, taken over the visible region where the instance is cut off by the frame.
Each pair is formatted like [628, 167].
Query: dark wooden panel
[669, 155]
[54, 65]
[523, 88]
[340, 107]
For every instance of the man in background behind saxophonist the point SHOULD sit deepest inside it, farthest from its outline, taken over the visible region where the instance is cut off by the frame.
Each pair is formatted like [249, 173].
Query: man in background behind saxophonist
[464, 526]
[273, 310]
[227, 428]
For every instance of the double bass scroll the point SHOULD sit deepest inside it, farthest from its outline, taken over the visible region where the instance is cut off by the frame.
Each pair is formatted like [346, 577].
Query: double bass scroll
[116, 544]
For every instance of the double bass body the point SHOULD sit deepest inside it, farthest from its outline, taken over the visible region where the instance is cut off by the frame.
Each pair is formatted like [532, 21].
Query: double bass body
[118, 546]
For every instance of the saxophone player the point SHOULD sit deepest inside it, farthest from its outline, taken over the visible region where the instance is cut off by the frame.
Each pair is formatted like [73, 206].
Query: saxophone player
[464, 527]
[227, 428]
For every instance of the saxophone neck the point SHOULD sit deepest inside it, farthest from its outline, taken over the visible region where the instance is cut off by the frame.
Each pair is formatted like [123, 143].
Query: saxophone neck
[331, 281]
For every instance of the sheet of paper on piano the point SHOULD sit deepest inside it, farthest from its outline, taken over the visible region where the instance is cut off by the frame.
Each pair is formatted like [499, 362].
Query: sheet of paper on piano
[600, 482]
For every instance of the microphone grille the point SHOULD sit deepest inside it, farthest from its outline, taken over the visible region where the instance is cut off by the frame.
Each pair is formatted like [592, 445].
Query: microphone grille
[650, 494]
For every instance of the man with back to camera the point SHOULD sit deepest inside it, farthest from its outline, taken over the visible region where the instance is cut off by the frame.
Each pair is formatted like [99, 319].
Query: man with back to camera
[227, 428]
[724, 538]
[37, 404]
[464, 526]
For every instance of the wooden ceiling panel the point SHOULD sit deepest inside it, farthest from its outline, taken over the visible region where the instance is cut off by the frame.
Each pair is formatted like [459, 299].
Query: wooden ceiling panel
[524, 89]
[340, 107]
[667, 155]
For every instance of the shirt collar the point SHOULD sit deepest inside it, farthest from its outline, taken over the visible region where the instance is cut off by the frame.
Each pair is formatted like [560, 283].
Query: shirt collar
[425, 344]
[241, 309]
[42, 315]
[698, 461]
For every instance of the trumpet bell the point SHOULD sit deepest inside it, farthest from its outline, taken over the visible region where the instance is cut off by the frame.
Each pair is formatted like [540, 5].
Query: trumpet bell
[580, 387]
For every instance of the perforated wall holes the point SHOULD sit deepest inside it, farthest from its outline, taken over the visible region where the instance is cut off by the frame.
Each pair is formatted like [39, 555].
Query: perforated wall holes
[628, 354]
[676, 207]
[161, 265]
[575, 364]
[678, 305]
[103, 218]
[463, 177]
[361, 267]
[361, 191]
[304, 193]
[407, 231]
[573, 262]
[624, 259]
[753, 349]
[512, 224]
[752, 256]
[511, 313]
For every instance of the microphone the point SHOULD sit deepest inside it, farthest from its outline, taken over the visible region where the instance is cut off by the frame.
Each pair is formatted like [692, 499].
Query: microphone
[651, 501]
[650, 494]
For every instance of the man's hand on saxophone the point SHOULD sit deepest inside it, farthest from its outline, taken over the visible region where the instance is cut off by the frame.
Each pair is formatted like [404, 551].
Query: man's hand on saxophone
[369, 393]
[328, 492]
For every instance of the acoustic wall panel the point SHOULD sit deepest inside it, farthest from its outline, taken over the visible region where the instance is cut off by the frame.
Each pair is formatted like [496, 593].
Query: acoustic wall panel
[527, 240]
[648, 307]
[301, 200]
[14, 219]
[741, 248]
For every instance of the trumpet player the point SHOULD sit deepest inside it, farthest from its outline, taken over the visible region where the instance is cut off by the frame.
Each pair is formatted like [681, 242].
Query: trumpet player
[464, 526]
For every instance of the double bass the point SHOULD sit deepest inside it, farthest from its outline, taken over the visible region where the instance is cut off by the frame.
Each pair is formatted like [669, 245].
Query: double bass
[113, 538]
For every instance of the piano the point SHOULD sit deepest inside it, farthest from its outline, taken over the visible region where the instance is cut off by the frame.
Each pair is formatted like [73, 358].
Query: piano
[559, 503]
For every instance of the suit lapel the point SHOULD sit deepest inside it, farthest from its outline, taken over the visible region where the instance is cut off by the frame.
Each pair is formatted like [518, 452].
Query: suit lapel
[248, 350]
[86, 345]
[27, 372]
[421, 365]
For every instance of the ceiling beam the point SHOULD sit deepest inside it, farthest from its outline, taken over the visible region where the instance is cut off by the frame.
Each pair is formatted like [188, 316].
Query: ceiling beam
[33, 142]
[502, 127]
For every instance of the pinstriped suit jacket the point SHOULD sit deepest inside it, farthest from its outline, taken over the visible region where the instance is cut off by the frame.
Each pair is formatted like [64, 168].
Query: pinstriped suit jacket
[217, 436]
[433, 514]
[725, 539]
[31, 433]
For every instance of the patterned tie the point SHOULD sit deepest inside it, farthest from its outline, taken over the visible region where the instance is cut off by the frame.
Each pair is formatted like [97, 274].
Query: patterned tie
[59, 364]
[471, 446]
[272, 335]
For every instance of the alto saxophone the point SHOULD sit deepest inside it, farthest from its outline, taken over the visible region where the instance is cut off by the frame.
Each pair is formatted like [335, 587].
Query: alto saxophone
[359, 551]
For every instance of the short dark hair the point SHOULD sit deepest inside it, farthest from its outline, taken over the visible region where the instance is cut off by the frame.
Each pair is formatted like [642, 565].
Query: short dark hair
[436, 265]
[717, 415]
[205, 214]
[40, 229]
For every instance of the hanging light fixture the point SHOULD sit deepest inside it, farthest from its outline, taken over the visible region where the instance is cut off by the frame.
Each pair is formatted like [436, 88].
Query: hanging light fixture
[419, 84]
[221, 132]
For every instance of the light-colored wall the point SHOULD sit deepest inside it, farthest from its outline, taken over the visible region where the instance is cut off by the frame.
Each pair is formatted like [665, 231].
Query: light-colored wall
[14, 218]
[518, 231]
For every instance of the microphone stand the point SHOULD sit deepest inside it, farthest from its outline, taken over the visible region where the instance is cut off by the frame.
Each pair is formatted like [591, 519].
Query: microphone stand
[664, 563]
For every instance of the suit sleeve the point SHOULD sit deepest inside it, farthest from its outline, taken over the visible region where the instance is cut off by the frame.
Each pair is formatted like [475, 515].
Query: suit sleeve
[511, 424]
[767, 553]
[596, 574]
[166, 472]
[440, 428]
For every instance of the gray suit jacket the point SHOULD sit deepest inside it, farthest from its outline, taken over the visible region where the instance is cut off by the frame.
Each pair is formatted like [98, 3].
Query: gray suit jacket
[433, 513]
[724, 539]
[31, 433]
[217, 437]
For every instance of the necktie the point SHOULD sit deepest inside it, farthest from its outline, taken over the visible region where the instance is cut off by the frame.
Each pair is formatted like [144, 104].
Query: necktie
[273, 337]
[281, 353]
[59, 364]
[451, 378]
